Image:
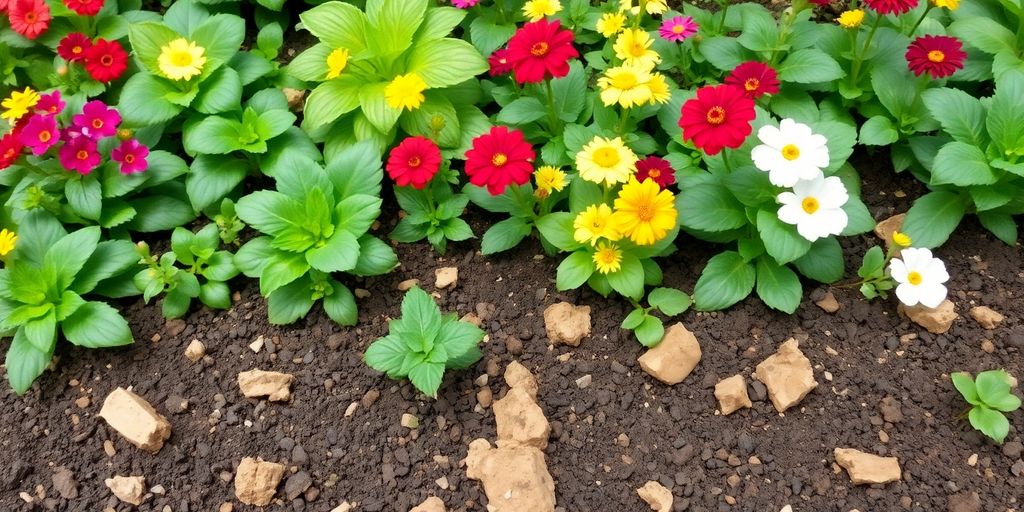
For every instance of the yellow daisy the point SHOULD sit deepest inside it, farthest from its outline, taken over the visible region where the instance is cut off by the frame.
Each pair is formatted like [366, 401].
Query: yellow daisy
[606, 161]
[181, 59]
[607, 258]
[549, 179]
[18, 104]
[336, 62]
[8, 239]
[851, 19]
[593, 224]
[947, 4]
[625, 85]
[406, 91]
[633, 46]
[659, 88]
[537, 10]
[611, 23]
[901, 239]
[644, 212]
[653, 6]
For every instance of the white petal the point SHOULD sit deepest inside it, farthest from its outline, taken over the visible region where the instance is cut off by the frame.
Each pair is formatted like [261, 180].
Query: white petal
[818, 141]
[898, 270]
[792, 214]
[787, 198]
[908, 294]
[833, 221]
[817, 156]
[765, 157]
[804, 188]
[807, 171]
[932, 295]
[808, 229]
[916, 259]
[771, 136]
[783, 176]
[935, 272]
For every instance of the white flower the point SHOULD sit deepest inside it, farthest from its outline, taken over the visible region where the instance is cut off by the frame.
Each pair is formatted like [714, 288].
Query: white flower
[790, 153]
[815, 207]
[920, 277]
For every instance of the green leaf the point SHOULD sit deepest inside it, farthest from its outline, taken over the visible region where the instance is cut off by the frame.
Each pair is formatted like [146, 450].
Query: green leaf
[669, 301]
[66, 257]
[933, 218]
[823, 262]
[809, 66]
[487, 35]
[574, 270]
[420, 315]
[356, 213]
[650, 332]
[874, 263]
[445, 62]
[557, 229]
[280, 269]
[725, 53]
[221, 35]
[962, 164]
[570, 92]
[338, 24]
[146, 41]
[311, 64]
[962, 116]
[394, 22]
[439, 22]
[457, 230]
[778, 286]
[221, 92]
[97, 325]
[253, 256]
[356, 170]
[992, 385]
[185, 16]
[41, 332]
[176, 303]
[760, 31]
[522, 111]
[629, 279]
[634, 319]
[142, 101]
[213, 136]
[290, 302]
[375, 257]
[505, 235]
[213, 177]
[111, 257]
[24, 363]
[710, 207]
[991, 423]
[878, 131]
[984, 34]
[427, 376]
[1005, 113]
[271, 212]
[85, 196]
[781, 240]
[858, 218]
[331, 100]
[726, 280]
[215, 294]
[386, 355]
[160, 213]
[341, 305]
[965, 385]
[1001, 225]
[340, 253]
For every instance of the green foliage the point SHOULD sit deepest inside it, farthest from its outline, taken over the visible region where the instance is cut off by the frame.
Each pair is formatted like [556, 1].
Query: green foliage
[991, 398]
[432, 213]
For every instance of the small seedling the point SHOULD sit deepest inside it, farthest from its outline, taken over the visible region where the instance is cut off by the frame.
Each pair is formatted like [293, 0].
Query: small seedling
[990, 397]
[424, 343]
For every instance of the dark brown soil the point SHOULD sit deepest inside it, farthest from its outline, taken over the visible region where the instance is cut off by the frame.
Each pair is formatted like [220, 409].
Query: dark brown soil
[674, 433]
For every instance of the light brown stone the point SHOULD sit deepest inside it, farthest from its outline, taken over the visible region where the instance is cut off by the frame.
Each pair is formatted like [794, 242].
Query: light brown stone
[987, 317]
[885, 228]
[732, 394]
[828, 303]
[517, 376]
[256, 481]
[129, 489]
[195, 351]
[406, 285]
[484, 397]
[344, 507]
[567, 323]
[520, 421]
[657, 496]
[132, 417]
[294, 97]
[672, 360]
[431, 504]
[787, 374]
[273, 385]
[514, 478]
[226, 507]
[446, 277]
[936, 321]
[867, 468]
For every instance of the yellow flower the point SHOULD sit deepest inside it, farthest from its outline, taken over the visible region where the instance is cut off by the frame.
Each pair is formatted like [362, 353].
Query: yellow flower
[18, 104]
[549, 179]
[948, 4]
[901, 239]
[633, 46]
[336, 62]
[181, 59]
[626, 85]
[593, 224]
[611, 23]
[608, 258]
[537, 10]
[606, 160]
[852, 19]
[653, 6]
[406, 91]
[659, 88]
[8, 239]
[644, 212]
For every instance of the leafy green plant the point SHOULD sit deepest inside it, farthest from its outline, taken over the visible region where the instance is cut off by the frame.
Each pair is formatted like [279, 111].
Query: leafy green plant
[423, 343]
[432, 213]
[228, 222]
[202, 259]
[991, 398]
[316, 223]
[42, 293]
[647, 327]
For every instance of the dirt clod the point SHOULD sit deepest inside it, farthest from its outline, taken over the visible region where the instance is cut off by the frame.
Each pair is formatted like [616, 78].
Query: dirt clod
[672, 360]
[256, 481]
[828, 303]
[446, 277]
[656, 495]
[431, 504]
[936, 321]
[867, 468]
[987, 317]
[567, 323]
[788, 376]
[515, 478]
[136, 420]
[195, 351]
[129, 489]
[275, 386]
[732, 394]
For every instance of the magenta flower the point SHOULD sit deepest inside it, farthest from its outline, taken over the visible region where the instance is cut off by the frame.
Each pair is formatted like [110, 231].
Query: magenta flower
[79, 155]
[678, 29]
[131, 155]
[97, 120]
[50, 104]
[464, 4]
[40, 133]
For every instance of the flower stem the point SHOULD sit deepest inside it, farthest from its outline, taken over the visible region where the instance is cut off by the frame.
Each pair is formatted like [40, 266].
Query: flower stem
[554, 123]
[623, 119]
[725, 11]
[927, 10]
[859, 57]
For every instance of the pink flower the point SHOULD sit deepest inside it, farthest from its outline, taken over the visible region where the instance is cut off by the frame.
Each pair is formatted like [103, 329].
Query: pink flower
[40, 133]
[97, 120]
[131, 155]
[50, 104]
[79, 155]
[678, 29]
[464, 4]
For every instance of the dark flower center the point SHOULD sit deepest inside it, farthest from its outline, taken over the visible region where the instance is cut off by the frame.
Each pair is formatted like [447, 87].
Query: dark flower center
[106, 60]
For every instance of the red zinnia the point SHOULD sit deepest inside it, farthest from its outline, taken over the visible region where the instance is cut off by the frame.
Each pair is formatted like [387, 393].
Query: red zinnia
[896, 7]
[73, 47]
[414, 162]
[657, 169]
[29, 17]
[540, 50]
[10, 149]
[499, 158]
[718, 117]
[106, 60]
[755, 78]
[84, 7]
[499, 62]
[939, 56]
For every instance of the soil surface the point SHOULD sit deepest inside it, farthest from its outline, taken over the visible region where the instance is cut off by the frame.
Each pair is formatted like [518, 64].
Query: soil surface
[884, 388]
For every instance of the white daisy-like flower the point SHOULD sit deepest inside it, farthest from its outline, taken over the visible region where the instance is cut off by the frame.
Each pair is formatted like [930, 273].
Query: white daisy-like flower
[790, 153]
[815, 207]
[920, 277]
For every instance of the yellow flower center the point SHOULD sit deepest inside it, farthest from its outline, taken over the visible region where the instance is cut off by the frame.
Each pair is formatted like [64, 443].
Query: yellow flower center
[414, 161]
[790, 152]
[97, 123]
[678, 29]
[129, 158]
[716, 115]
[76, 49]
[499, 159]
[914, 278]
[45, 136]
[752, 84]
[637, 49]
[645, 212]
[624, 81]
[607, 256]
[936, 56]
[606, 157]
[653, 173]
[539, 49]
[810, 205]
[82, 154]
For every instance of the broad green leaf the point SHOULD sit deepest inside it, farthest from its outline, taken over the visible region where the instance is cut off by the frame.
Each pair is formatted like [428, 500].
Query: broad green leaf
[290, 302]
[1001, 225]
[85, 196]
[356, 213]
[24, 363]
[338, 24]
[522, 111]
[962, 164]
[781, 240]
[212, 177]
[339, 254]
[280, 269]
[984, 34]
[962, 116]
[67, 256]
[778, 286]
[992, 385]
[823, 262]
[213, 136]
[557, 229]
[356, 170]
[271, 212]
[965, 385]
[221, 92]
[422, 317]
[710, 207]
[445, 62]
[386, 354]
[427, 376]
[311, 64]
[933, 218]
[330, 100]
[878, 131]
[221, 35]
[808, 66]
[669, 301]
[341, 305]
[1005, 113]
[111, 257]
[487, 35]
[650, 332]
[146, 41]
[873, 264]
[215, 294]
[142, 101]
[634, 319]
[858, 218]
[575, 270]
[991, 423]
[253, 256]
[439, 22]
[505, 235]
[97, 325]
[726, 280]
[41, 332]
[375, 257]
[629, 279]
[393, 24]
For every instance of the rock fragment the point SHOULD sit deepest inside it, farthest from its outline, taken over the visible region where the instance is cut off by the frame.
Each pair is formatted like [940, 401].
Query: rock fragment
[987, 317]
[64, 483]
[344, 507]
[129, 489]
[520, 420]
[787, 374]
[828, 303]
[656, 495]
[515, 478]
[294, 98]
[732, 394]
[517, 376]
[195, 351]
[885, 228]
[275, 386]
[936, 321]
[674, 358]
[406, 285]
[566, 323]
[132, 417]
[965, 502]
[867, 468]
[256, 481]
[446, 277]
[431, 504]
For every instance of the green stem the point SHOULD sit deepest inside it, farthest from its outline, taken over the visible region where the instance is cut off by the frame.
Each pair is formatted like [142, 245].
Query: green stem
[623, 119]
[859, 56]
[640, 14]
[921, 19]
[554, 123]
[725, 11]
[725, 160]
[787, 23]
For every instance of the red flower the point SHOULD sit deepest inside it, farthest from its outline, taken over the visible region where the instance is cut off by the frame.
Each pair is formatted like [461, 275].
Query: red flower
[896, 7]
[499, 62]
[499, 158]
[84, 7]
[10, 148]
[541, 50]
[106, 60]
[718, 117]
[29, 17]
[131, 155]
[939, 56]
[414, 162]
[755, 78]
[73, 47]
[657, 169]
[820, 2]
[79, 154]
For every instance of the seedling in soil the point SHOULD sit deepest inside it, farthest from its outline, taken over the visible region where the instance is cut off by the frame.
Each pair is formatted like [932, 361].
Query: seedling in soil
[990, 398]
[649, 329]
[424, 343]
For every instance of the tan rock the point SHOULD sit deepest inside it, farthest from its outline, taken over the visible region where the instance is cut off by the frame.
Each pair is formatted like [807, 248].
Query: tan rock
[406, 285]
[520, 420]
[227, 506]
[256, 481]
[567, 323]
[656, 495]
[514, 478]
[410, 421]
[484, 397]
[446, 277]
[732, 394]
[273, 385]
[129, 489]
[132, 417]
[828, 303]
[517, 376]
[867, 468]
[431, 504]
[937, 321]
[672, 360]
[885, 228]
[787, 374]
[195, 351]
[987, 317]
[344, 507]
[294, 97]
